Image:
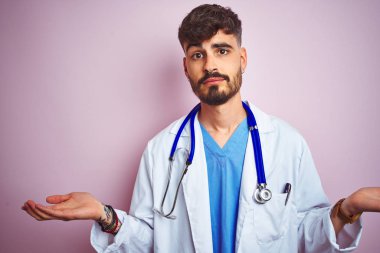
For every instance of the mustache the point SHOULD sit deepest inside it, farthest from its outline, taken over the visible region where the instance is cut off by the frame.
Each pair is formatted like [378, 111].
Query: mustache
[212, 74]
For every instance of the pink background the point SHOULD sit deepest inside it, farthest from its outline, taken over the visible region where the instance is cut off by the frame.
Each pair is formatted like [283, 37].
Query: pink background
[85, 84]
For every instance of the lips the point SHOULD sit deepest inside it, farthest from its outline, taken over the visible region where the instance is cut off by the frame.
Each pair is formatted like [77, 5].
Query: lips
[213, 80]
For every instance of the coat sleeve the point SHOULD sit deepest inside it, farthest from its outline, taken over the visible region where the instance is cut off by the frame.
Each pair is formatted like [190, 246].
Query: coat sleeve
[315, 230]
[136, 233]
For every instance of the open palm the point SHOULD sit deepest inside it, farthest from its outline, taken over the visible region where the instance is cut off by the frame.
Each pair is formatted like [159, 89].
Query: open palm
[72, 206]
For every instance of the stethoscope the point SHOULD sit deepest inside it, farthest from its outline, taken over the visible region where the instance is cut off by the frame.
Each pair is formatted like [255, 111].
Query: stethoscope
[262, 193]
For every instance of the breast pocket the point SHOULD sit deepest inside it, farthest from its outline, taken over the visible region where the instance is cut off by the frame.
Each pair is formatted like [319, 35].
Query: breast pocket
[272, 219]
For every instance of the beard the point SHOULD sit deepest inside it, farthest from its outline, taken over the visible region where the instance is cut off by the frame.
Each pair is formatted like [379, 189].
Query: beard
[214, 95]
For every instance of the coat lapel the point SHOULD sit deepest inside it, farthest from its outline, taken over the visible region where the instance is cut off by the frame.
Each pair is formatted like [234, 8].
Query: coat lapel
[249, 177]
[195, 188]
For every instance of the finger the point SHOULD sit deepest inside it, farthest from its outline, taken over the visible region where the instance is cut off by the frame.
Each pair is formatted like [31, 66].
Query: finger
[33, 213]
[40, 213]
[56, 199]
[30, 203]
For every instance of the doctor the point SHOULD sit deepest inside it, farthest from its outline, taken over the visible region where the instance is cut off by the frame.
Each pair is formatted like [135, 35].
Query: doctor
[215, 210]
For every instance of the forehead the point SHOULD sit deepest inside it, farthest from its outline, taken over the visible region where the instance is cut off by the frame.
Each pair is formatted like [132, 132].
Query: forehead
[219, 38]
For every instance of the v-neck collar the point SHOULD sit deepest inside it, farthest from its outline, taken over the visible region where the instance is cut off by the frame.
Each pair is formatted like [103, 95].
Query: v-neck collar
[213, 146]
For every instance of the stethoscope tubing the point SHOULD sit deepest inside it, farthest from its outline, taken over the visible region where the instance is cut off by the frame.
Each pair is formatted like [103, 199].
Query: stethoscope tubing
[191, 116]
[192, 134]
[255, 136]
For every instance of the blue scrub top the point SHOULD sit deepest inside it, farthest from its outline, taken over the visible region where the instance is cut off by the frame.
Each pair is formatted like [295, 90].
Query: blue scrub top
[224, 169]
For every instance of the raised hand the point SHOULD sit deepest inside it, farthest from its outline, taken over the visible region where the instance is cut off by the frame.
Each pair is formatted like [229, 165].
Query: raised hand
[72, 206]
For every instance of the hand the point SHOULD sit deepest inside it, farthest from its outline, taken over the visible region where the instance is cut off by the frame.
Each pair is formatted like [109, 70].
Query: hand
[363, 200]
[72, 206]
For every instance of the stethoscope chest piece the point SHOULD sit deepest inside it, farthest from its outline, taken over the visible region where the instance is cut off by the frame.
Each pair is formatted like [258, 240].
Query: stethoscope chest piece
[262, 194]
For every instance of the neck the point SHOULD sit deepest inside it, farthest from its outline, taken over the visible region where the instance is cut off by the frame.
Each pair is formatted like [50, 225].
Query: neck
[222, 118]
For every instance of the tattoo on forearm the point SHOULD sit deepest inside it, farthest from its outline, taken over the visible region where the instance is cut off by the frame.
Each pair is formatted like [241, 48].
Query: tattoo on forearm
[108, 219]
[108, 213]
[110, 224]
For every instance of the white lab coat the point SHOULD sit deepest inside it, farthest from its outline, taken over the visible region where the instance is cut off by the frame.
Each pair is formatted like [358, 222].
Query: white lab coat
[303, 225]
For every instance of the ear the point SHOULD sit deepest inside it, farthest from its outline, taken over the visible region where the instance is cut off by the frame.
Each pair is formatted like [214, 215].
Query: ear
[185, 67]
[243, 58]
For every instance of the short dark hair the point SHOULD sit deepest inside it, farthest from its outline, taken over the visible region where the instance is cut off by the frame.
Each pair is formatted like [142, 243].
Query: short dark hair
[204, 21]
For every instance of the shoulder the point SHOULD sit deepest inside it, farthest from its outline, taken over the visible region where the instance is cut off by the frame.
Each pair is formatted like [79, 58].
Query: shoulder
[163, 140]
[285, 129]
[168, 131]
[279, 131]
[268, 123]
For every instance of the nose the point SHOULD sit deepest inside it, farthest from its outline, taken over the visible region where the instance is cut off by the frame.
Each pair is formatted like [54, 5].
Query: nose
[210, 64]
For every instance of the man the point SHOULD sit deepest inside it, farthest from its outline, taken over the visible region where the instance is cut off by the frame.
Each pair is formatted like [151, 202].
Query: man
[215, 210]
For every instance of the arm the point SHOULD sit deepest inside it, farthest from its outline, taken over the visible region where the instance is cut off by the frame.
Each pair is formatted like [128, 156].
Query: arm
[316, 231]
[136, 232]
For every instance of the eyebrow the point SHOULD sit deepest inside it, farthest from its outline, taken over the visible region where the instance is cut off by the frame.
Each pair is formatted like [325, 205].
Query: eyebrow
[193, 45]
[219, 45]
[215, 45]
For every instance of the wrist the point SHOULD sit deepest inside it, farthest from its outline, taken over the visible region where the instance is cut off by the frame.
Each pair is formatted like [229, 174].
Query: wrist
[100, 213]
[109, 222]
[105, 217]
[345, 212]
[347, 209]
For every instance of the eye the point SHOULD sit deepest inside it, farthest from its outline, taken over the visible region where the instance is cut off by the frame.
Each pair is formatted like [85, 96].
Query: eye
[223, 51]
[197, 55]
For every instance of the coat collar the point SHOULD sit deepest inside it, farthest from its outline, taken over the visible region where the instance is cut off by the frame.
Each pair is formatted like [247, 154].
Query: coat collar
[262, 119]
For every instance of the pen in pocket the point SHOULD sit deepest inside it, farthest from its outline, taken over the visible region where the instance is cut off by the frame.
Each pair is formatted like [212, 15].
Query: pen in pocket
[288, 188]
